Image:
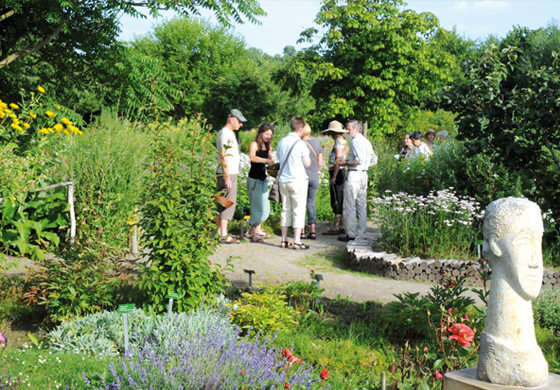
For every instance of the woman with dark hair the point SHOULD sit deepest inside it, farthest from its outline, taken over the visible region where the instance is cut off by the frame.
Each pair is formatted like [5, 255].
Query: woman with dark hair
[260, 153]
[405, 151]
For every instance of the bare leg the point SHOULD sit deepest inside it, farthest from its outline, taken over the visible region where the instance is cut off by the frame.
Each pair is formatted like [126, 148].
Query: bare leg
[222, 227]
[311, 227]
[297, 235]
[284, 233]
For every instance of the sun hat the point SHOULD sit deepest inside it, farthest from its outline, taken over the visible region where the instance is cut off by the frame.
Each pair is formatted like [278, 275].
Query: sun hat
[430, 131]
[444, 134]
[336, 127]
[237, 114]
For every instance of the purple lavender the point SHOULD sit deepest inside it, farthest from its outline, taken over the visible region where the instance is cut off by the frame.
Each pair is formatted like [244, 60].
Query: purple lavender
[212, 358]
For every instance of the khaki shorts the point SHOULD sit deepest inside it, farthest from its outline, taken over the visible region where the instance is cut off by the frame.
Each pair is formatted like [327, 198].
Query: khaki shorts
[228, 213]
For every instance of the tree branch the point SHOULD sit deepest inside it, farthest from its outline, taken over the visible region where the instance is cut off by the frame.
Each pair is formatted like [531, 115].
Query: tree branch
[7, 15]
[31, 50]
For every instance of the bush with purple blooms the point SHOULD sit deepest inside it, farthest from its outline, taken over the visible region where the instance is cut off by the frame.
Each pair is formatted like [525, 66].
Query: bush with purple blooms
[210, 359]
[440, 225]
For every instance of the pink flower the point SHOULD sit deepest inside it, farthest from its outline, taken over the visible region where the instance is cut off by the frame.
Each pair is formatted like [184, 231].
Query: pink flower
[2, 338]
[466, 317]
[450, 310]
[438, 375]
[462, 333]
[425, 349]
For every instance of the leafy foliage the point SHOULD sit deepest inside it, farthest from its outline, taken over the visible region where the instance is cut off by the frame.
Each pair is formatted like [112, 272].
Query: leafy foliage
[546, 310]
[374, 62]
[514, 124]
[75, 286]
[266, 312]
[101, 333]
[177, 217]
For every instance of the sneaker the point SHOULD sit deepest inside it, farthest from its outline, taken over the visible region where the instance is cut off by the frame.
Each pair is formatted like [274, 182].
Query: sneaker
[345, 238]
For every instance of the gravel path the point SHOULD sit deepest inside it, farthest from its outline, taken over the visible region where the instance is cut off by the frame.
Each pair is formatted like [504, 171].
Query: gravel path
[275, 265]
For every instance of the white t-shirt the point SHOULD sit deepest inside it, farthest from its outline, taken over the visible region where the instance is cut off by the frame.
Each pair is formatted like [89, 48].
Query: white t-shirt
[361, 150]
[422, 149]
[294, 169]
[226, 138]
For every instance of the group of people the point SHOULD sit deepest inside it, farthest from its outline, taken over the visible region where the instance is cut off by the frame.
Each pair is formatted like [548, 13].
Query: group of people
[415, 146]
[301, 160]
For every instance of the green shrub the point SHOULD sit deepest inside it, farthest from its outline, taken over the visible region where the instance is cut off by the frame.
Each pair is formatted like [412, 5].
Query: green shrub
[299, 294]
[266, 312]
[101, 334]
[77, 285]
[546, 309]
[178, 218]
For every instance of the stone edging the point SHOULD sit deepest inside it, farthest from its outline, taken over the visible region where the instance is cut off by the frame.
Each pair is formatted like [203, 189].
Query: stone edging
[361, 257]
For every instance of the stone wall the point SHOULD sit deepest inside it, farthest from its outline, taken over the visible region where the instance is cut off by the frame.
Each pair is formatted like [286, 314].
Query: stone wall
[361, 257]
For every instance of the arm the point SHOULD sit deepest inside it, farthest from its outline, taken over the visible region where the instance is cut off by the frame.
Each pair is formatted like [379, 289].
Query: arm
[225, 167]
[255, 159]
[320, 160]
[306, 159]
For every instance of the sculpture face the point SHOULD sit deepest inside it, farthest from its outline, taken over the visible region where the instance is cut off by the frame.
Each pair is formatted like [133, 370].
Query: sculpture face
[521, 256]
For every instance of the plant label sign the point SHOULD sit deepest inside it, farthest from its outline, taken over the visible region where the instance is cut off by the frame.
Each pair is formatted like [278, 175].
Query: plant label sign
[125, 308]
[173, 295]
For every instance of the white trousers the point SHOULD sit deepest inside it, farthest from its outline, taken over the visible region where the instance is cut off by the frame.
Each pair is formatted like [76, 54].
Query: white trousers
[355, 203]
[294, 202]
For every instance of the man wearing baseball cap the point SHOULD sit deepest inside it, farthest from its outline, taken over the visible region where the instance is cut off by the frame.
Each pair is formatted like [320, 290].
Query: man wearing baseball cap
[228, 158]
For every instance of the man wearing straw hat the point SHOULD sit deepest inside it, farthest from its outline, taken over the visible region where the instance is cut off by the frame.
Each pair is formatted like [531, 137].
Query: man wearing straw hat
[228, 158]
[360, 158]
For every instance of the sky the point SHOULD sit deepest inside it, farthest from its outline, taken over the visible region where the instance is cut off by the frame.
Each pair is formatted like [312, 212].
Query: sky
[286, 19]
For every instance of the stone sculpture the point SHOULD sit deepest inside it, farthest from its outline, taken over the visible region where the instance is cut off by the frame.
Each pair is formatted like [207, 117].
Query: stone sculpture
[509, 354]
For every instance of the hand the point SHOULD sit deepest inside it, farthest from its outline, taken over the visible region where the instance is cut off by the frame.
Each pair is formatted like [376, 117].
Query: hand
[270, 161]
[333, 181]
[228, 183]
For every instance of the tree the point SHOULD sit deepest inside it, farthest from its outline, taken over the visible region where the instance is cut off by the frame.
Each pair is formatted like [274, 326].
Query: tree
[74, 29]
[374, 62]
[518, 125]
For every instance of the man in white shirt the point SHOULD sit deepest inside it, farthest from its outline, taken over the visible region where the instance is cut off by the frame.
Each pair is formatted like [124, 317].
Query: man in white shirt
[420, 148]
[293, 182]
[228, 158]
[360, 158]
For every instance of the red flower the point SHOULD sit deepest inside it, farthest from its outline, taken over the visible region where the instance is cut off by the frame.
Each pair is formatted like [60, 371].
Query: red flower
[286, 352]
[324, 374]
[287, 385]
[425, 349]
[438, 375]
[462, 333]
[243, 372]
[450, 310]
[466, 317]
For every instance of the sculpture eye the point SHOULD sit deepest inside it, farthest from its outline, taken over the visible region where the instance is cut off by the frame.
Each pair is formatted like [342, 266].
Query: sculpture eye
[521, 240]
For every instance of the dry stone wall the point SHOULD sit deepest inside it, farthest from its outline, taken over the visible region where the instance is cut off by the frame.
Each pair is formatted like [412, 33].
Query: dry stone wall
[361, 257]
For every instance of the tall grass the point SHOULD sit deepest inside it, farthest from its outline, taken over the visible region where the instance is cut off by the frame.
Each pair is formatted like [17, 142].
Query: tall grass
[107, 165]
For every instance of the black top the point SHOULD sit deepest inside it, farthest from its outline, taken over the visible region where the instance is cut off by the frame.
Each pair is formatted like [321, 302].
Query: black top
[258, 170]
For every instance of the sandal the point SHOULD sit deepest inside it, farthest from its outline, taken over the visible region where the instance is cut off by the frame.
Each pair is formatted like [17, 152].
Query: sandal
[302, 236]
[312, 236]
[285, 244]
[332, 232]
[257, 239]
[228, 240]
[301, 246]
[264, 235]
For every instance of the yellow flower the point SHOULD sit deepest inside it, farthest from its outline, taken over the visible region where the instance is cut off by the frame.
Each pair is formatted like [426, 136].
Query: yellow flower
[66, 132]
[14, 106]
[16, 121]
[8, 111]
[66, 121]
[50, 130]
[16, 126]
[41, 89]
[44, 131]
[12, 115]
[58, 107]
[26, 125]
[32, 115]
[58, 127]
[50, 113]
[79, 132]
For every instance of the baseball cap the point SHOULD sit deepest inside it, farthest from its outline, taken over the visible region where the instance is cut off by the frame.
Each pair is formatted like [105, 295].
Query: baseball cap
[237, 114]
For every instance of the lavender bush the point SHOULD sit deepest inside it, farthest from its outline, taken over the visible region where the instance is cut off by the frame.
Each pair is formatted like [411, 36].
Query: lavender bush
[212, 358]
[440, 225]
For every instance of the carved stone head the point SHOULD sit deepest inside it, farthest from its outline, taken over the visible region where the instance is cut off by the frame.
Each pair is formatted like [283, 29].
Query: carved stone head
[513, 232]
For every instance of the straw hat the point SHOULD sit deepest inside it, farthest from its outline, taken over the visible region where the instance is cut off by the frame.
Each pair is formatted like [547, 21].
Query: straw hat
[336, 127]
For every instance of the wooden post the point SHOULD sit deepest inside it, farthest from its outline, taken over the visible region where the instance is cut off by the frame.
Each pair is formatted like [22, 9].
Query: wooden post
[72, 213]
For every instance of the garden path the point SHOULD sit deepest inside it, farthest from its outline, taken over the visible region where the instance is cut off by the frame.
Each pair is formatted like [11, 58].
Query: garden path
[275, 265]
